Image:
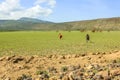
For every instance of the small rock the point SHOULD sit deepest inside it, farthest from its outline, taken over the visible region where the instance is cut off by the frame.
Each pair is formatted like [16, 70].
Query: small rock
[52, 69]
[24, 77]
[30, 59]
[103, 53]
[61, 76]
[7, 78]
[2, 58]
[53, 78]
[93, 53]
[97, 53]
[82, 69]
[114, 61]
[78, 66]
[16, 60]
[9, 57]
[68, 56]
[107, 78]
[71, 75]
[88, 58]
[98, 77]
[49, 56]
[65, 78]
[100, 57]
[64, 68]
[71, 68]
[75, 56]
[83, 54]
[60, 62]
[54, 56]
[62, 57]
[78, 73]
[115, 73]
[89, 67]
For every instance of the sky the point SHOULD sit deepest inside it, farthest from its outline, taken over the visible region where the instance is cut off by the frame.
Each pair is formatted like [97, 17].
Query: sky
[59, 10]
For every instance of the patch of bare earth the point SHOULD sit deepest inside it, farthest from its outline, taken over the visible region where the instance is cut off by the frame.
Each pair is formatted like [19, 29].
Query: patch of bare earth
[95, 66]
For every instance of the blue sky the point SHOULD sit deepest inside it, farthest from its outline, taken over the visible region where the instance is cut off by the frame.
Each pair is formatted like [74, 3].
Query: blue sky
[73, 10]
[59, 10]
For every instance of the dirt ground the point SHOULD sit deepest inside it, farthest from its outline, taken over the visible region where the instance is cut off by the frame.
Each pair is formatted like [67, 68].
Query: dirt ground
[12, 67]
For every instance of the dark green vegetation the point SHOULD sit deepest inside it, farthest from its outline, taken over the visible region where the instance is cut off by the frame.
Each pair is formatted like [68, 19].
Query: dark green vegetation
[35, 24]
[47, 42]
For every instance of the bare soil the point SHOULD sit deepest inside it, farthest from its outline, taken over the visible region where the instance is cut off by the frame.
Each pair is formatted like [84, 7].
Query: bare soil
[14, 66]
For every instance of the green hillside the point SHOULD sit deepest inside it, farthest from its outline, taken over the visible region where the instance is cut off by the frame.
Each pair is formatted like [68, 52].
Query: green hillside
[36, 24]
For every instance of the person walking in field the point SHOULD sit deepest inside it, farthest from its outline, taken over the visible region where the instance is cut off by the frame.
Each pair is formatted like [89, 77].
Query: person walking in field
[87, 37]
[60, 36]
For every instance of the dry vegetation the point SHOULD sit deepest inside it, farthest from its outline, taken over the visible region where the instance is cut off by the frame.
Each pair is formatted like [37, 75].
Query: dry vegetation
[95, 66]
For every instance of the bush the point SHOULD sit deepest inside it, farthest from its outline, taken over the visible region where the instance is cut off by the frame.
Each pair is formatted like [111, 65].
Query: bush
[41, 72]
[64, 68]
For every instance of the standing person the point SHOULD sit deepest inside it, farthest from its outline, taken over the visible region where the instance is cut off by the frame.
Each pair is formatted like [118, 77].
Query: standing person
[87, 37]
[60, 36]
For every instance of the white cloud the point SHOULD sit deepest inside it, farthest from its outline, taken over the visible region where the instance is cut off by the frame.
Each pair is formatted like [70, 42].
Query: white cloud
[12, 9]
[40, 1]
[50, 3]
[8, 6]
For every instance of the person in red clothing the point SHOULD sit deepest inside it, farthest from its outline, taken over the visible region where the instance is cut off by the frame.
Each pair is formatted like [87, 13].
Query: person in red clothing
[60, 36]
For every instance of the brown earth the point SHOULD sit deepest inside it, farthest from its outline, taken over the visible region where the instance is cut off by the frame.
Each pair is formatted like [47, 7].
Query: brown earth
[12, 67]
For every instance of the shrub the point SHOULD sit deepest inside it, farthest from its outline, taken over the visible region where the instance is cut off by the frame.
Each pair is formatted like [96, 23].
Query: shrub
[39, 72]
[64, 68]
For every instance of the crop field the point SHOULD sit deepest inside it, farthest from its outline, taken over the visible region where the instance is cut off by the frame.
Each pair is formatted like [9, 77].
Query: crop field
[42, 43]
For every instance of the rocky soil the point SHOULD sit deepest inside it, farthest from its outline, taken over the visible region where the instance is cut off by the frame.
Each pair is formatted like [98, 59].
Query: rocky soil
[92, 66]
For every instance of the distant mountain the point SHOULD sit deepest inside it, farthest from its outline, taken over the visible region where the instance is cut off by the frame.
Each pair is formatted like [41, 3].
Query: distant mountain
[36, 24]
[22, 24]
[34, 20]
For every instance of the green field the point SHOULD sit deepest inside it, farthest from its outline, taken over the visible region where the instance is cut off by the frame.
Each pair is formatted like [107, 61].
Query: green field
[42, 43]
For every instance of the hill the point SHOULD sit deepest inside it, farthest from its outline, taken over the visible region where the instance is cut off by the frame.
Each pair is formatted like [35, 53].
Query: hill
[100, 24]
[33, 20]
[22, 24]
[36, 24]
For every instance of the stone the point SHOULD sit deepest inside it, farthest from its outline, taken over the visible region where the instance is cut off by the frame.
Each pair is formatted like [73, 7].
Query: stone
[83, 54]
[68, 56]
[24, 77]
[62, 57]
[61, 76]
[71, 76]
[115, 73]
[65, 78]
[114, 61]
[30, 59]
[89, 67]
[53, 78]
[2, 58]
[82, 69]
[107, 78]
[88, 58]
[97, 53]
[98, 77]
[7, 78]
[52, 69]
[17, 59]
[71, 68]
[78, 66]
